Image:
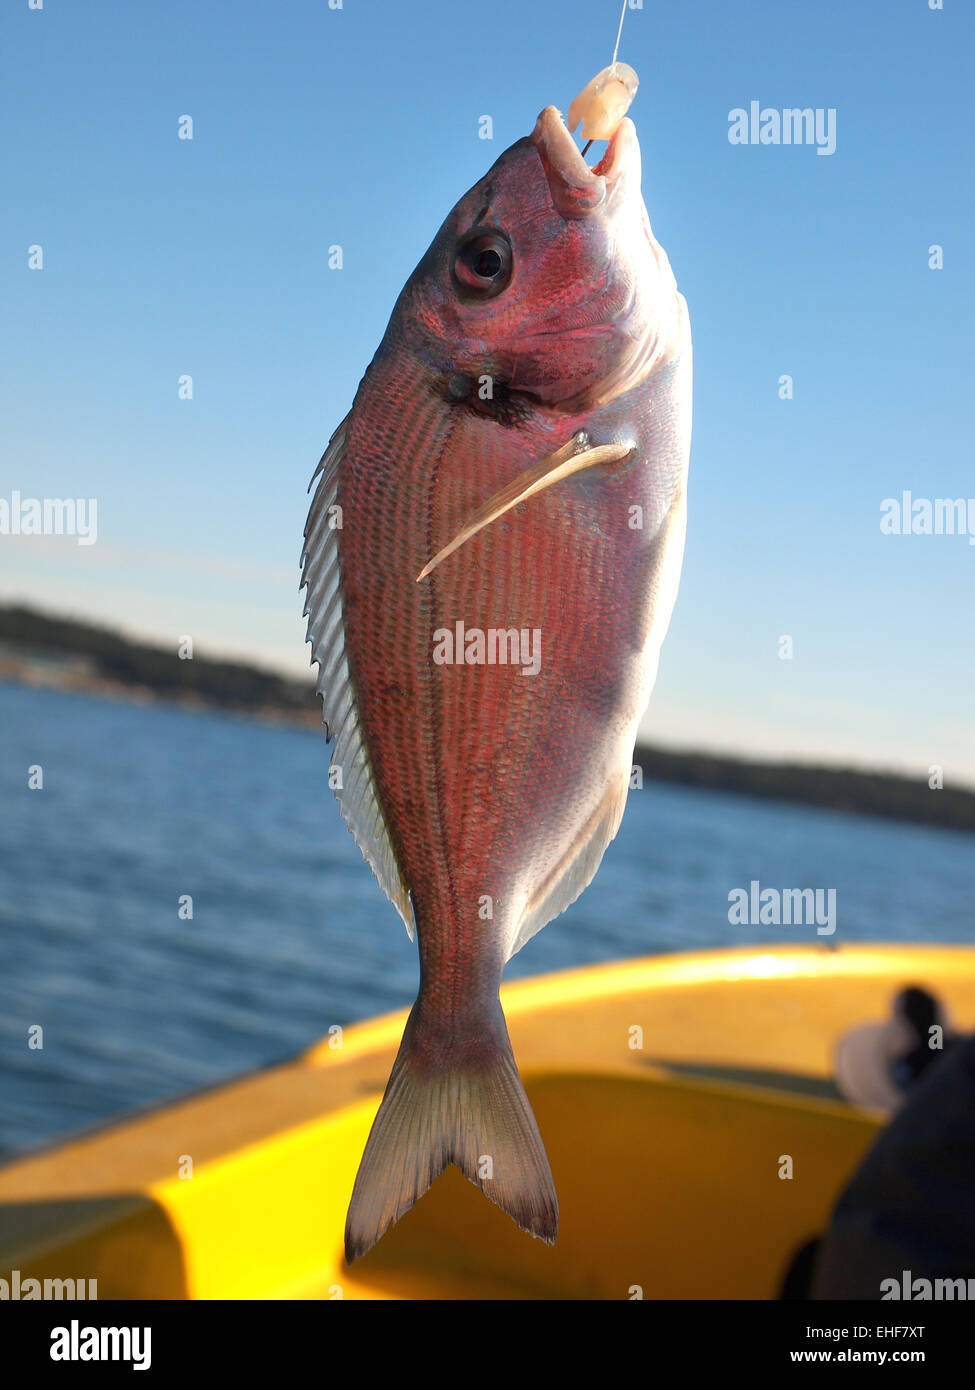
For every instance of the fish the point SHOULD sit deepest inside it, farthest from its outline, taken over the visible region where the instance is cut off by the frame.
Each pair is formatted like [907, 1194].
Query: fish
[514, 463]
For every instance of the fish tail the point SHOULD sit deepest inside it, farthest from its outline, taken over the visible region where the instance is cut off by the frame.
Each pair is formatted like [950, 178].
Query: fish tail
[458, 1102]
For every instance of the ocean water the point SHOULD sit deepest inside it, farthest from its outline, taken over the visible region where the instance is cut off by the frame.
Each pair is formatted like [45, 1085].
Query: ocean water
[290, 933]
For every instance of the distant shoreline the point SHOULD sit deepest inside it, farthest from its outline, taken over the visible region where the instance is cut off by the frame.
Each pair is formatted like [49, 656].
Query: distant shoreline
[42, 652]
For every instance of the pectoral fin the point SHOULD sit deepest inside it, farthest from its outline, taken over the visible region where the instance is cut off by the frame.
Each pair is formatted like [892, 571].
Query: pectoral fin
[572, 457]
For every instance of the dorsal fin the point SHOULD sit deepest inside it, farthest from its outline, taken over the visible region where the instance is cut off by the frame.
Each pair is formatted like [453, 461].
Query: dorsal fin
[321, 577]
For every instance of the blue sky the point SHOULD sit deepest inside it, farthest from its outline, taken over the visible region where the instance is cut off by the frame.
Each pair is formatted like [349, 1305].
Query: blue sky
[359, 127]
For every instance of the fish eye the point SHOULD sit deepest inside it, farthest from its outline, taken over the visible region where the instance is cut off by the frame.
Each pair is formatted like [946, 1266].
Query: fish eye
[482, 265]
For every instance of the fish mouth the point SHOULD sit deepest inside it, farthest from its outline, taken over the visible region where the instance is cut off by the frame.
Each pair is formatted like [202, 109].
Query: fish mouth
[576, 189]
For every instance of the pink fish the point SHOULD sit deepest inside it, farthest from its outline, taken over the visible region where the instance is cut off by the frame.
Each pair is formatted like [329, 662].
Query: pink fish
[491, 560]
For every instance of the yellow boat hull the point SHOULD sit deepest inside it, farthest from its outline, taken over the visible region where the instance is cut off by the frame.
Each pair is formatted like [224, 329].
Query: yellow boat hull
[674, 1094]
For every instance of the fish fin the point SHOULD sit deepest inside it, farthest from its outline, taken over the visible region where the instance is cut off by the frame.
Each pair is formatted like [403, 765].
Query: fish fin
[563, 463]
[577, 868]
[473, 1113]
[321, 577]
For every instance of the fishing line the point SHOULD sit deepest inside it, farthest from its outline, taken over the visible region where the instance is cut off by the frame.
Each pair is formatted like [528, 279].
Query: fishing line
[616, 51]
[618, 33]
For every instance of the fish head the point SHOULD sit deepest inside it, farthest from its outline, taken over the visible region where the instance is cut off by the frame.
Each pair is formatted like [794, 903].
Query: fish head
[546, 278]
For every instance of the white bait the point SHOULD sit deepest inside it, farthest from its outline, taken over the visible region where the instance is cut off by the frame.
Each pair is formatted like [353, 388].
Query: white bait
[604, 101]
